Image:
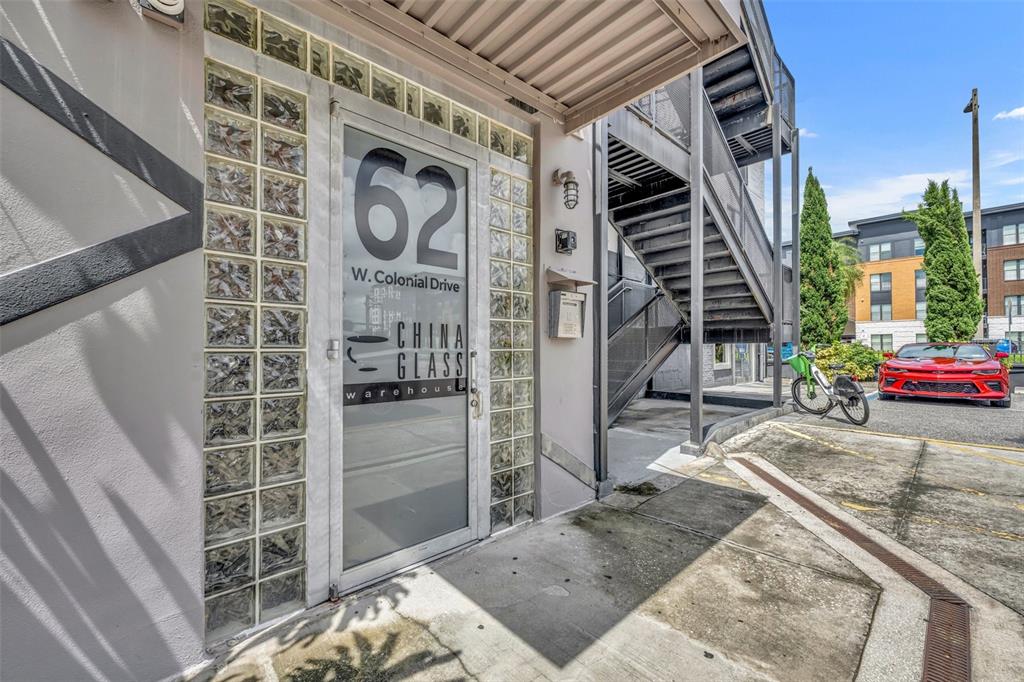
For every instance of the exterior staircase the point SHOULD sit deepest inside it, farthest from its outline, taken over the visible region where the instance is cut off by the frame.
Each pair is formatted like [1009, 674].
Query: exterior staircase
[649, 206]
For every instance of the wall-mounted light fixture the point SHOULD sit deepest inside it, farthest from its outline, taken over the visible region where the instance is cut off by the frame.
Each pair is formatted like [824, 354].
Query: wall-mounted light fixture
[170, 12]
[570, 188]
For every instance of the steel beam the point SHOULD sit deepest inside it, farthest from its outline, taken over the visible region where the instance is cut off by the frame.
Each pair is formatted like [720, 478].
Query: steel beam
[600, 379]
[794, 161]
[777, 302]
[697, 257]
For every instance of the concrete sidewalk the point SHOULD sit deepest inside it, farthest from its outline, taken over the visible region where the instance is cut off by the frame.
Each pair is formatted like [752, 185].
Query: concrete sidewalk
[709, 573]
[700, 579]
[644, 440]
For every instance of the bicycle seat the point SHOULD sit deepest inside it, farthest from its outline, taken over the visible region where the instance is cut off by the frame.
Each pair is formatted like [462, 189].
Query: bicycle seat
[837, 365]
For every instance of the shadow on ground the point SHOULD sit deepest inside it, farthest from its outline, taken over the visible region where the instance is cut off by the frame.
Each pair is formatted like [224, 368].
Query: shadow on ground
[700, 575]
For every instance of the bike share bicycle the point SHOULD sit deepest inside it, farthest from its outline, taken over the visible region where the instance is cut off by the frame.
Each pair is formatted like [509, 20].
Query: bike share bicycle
[813, 392]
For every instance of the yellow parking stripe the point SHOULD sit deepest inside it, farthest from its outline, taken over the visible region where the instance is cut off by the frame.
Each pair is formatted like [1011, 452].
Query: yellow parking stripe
[919, 518]
[1001, 534]
[819, 441]
[859, 507]
[969, 448]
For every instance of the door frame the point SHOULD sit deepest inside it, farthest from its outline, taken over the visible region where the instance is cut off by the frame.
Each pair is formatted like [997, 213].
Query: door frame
[383, 121]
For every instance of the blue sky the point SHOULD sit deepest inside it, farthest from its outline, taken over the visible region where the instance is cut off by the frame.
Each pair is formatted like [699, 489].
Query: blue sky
[881, 88]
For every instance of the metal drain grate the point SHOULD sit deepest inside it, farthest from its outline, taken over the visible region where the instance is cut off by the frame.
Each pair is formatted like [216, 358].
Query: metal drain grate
[947, 642]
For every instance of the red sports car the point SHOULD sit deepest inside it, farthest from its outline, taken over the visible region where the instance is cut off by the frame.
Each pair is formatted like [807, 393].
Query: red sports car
[945, 370]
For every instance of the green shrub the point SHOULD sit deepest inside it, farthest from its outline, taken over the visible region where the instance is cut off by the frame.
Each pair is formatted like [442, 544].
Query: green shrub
[858, 360]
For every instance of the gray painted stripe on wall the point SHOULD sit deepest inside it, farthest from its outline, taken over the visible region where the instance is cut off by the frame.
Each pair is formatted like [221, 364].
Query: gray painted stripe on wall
[44, 284]
[567, 461]
[53, 281]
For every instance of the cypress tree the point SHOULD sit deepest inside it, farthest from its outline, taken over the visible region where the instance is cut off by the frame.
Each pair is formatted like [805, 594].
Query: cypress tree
[951, 291]
[823, 310]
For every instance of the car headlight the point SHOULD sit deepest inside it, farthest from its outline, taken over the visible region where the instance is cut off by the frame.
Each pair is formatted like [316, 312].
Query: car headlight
[986, 372]
[895, 370]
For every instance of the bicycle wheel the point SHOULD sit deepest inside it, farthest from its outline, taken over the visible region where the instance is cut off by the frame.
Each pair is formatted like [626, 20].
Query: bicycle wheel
[855, 409]
[809, 398]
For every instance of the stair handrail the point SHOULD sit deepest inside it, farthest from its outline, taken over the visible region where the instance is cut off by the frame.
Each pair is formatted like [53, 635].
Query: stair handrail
[673, 335]
[618, 289]
[659, 294]
[760, 35]
[758, 239]
[657, 332]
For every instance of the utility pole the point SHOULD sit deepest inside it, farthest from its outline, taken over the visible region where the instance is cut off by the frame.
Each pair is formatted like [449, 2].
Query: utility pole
[972, 109]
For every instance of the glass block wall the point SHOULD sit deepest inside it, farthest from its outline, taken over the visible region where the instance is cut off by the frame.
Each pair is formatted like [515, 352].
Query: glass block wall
[256, 313]
[255, 360]
[258, 30]
[511, 341]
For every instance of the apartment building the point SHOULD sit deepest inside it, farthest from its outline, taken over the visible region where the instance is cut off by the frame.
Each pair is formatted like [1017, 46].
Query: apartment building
[889, 306]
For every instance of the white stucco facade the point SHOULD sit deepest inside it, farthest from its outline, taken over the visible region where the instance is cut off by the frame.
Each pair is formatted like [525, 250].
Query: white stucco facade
[105, 540]
[101, 536]
[901, 331]
[1000, 326]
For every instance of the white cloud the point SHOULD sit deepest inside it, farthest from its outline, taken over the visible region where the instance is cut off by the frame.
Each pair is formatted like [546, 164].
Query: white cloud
[1019, 180]
[885, 195]
[805, 133]
[1012, 113]
[1004, 158]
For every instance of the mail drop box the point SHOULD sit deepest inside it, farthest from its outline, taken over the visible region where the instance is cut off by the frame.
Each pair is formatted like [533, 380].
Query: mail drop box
[566, 314]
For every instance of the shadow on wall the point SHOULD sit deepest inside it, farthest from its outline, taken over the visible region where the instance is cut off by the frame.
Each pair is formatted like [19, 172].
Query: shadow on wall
[72, 609]
[68, 612]
[101, 486]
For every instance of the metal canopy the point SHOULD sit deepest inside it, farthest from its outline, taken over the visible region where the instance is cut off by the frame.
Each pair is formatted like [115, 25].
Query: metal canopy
[573, 60]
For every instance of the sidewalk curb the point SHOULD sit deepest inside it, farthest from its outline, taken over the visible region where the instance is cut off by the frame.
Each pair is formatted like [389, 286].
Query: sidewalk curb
[719, 432]
[889, 653]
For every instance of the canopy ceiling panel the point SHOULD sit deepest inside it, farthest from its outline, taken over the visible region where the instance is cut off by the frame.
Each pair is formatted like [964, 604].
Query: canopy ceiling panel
[573, 60]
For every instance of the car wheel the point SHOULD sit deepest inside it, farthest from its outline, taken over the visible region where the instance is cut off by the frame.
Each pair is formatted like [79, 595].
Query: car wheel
[886, 396]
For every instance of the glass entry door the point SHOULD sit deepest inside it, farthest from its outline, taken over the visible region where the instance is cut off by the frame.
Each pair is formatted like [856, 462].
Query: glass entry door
[407, 488]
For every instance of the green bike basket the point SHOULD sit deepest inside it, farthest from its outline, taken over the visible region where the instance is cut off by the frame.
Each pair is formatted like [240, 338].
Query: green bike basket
[799, 364]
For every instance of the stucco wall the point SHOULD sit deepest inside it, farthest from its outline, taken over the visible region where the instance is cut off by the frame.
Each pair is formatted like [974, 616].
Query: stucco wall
[674, 373]
[101, 393]
[566, 365]
[1000, 325]
[903, 331]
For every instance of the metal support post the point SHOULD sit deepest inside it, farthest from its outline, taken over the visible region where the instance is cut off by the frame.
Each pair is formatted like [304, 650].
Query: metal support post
[794, 161]
[778, 307]
[697, 256]
[600, 174]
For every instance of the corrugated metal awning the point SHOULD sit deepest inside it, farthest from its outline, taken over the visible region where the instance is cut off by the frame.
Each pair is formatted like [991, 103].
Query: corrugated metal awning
[573, 60]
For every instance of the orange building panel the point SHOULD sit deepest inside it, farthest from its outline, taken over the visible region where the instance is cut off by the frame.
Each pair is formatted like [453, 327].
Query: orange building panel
[903, 287]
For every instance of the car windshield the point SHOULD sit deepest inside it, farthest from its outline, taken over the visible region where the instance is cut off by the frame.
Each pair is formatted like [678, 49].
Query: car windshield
[970, 351]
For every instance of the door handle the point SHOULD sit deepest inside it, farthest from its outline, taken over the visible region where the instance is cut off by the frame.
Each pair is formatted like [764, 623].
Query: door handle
[472, 373]
[333, 349]
[474, 390]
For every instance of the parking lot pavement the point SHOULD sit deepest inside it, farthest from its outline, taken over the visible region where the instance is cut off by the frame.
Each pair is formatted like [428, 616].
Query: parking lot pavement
[961, 506]
[953, 420]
